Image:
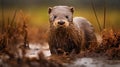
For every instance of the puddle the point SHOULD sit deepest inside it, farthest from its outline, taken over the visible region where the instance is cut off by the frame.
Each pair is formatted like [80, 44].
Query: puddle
[35, 49]
[90, 62]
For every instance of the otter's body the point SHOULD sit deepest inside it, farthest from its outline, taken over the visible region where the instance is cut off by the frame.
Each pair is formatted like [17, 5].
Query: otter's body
[68, 34]
[88, 35]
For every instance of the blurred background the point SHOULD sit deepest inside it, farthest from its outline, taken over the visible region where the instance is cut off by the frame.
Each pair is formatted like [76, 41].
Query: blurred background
[37, 10]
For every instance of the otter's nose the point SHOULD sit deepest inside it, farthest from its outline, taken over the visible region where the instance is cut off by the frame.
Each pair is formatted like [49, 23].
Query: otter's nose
[61, 22]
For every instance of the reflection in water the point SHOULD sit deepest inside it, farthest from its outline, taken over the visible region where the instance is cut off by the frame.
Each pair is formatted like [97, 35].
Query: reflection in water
[90, 62]
[35, 49]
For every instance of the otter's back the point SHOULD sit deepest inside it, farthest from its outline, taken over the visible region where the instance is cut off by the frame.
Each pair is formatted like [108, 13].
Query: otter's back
[83, 24]
[86, 28]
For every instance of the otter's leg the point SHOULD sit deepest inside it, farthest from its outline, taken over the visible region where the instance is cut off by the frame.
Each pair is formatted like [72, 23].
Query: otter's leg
[56, 51]
[53, 50]
[83, 42]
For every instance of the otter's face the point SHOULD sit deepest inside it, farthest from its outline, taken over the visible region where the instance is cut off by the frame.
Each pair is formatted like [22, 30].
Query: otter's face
[61, 16]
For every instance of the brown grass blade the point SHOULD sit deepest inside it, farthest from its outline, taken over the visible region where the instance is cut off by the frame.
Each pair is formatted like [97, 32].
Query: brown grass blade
[93, 7]
[2, 23]
[104, 23]
[13, 17]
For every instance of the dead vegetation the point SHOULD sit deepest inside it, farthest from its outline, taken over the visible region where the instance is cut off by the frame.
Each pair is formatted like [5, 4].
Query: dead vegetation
[110, 45]
[109, 48]
[12, 33]
[15, 36]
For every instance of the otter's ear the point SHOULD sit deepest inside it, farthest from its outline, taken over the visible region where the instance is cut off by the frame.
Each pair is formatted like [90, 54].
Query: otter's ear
[72, 9]
[49, 10]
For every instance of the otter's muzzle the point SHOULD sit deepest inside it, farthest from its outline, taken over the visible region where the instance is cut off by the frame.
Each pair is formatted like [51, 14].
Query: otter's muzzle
[61, 22]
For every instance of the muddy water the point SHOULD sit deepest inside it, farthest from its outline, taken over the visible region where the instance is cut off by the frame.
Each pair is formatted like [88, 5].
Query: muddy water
[35, 49]
[94, 62]
[80, 62]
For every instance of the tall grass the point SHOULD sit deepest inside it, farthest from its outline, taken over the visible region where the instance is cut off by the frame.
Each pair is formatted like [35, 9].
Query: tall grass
[12, 35]
[2, 24]
[104, 23]
[94, 10]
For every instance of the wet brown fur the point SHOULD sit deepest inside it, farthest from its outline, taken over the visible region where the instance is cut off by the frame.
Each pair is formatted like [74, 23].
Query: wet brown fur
[66, 39]
[69, 39]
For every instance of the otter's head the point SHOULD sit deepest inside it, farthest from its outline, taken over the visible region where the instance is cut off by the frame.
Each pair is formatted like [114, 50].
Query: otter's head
[61, 16]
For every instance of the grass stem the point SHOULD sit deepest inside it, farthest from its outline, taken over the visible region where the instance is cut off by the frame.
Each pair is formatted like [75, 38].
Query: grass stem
[104, 25]
[93, 7]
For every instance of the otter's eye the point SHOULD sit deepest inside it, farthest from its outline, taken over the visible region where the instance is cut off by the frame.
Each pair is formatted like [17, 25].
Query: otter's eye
[67, 17]
[55, 17]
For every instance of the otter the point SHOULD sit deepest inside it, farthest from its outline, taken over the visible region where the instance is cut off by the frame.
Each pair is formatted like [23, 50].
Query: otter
[68, 34]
